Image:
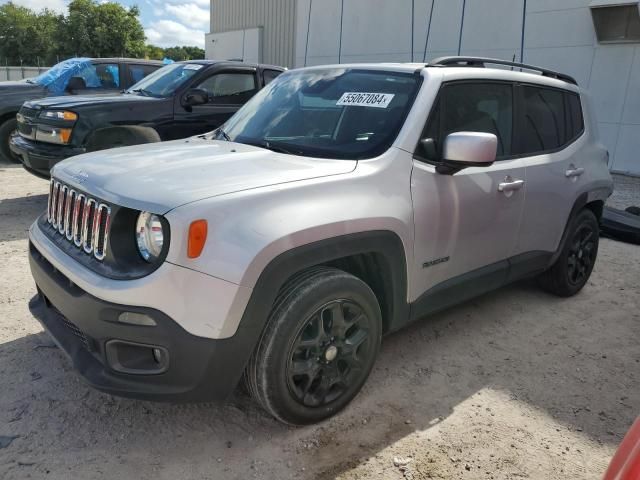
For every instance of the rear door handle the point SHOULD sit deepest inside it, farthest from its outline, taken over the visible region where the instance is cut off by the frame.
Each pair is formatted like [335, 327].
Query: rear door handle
[574, 172]
[510, 186]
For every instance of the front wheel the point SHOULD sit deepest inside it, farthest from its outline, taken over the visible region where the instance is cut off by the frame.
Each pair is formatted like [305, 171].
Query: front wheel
[6, 130]
[572, 269]
[319, 347]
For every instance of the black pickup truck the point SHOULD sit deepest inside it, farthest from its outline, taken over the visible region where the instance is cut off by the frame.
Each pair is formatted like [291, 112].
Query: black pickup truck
[177, 101]
[76, 76]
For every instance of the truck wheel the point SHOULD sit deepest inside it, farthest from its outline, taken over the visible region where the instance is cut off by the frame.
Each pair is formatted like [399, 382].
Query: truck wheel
[572, 269]
[121, 137]
[6, 129]
[320, 343]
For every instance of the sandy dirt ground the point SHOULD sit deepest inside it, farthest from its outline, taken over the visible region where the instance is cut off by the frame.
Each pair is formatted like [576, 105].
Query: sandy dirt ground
[517, 384]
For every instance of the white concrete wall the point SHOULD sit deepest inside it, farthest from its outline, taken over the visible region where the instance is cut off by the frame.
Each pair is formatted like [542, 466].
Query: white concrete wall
[18, 73]
[558, 34]
[237, 44]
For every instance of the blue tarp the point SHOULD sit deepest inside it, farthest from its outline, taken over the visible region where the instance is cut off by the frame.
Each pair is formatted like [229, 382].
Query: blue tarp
[56, 78]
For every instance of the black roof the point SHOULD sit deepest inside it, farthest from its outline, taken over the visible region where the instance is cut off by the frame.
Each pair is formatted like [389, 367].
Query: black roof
[237, 63]
[128, 60]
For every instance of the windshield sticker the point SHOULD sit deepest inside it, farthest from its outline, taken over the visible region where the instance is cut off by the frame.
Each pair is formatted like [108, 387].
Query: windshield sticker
[192, 66]
[364, 99]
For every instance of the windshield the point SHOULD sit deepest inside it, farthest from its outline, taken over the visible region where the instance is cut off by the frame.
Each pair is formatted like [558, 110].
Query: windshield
[164, 82]
[332, 113]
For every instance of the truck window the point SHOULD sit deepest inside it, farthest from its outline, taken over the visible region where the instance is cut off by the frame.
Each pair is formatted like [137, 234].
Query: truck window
[230, 87]
[138, 72]
[270, 75]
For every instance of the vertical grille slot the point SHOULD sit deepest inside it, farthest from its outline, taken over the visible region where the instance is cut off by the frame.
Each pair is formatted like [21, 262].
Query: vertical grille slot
[78, 211]
[87, 225]
[80, 219]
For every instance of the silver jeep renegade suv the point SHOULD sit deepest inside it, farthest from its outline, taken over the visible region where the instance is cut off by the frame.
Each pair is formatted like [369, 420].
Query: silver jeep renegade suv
[340, 204]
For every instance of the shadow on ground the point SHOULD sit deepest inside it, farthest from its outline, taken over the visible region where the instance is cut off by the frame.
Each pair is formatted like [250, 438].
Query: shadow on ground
[576, 359]
[17, 215]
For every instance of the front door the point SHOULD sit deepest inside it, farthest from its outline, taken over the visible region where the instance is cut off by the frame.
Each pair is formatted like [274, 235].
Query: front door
[467, 224]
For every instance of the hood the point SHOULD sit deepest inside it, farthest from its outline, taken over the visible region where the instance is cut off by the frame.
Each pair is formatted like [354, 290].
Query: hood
[20, 88]
[75, 101]
[162, 176]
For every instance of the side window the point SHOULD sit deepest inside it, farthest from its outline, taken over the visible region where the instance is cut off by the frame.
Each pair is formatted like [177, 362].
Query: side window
[102, 76]
[575, 120]
[543, 122]
[270, 75]
[138, 72]
[231, 87]
[473, 107]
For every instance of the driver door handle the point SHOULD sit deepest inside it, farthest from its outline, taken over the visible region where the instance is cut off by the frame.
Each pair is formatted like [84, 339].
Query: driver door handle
[573, 172]
[510, 186]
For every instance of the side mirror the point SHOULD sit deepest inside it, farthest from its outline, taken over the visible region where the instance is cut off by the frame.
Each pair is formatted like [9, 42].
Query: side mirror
[468, 149]
[195, 96]
[75, 84]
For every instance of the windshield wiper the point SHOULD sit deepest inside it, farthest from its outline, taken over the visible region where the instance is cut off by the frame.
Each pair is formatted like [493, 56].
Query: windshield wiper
[220, 131]
[274, 147]
[142, 91]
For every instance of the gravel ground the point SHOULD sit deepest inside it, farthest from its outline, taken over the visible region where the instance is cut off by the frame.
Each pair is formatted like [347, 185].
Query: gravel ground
[626, 192]
[517, 384]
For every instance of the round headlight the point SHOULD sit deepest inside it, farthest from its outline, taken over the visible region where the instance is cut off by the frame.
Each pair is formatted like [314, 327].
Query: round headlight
[149, 236]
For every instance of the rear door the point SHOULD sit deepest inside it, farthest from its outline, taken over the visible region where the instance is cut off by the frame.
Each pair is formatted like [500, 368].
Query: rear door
[228, 90]
[549, 140]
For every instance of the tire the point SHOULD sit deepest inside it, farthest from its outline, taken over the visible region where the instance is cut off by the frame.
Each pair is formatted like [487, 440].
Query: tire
[320, 344]
[6, 129]
[572, 269]
[121, 137]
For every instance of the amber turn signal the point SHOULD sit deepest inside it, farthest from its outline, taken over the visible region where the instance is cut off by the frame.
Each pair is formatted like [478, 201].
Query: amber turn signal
[197, 238]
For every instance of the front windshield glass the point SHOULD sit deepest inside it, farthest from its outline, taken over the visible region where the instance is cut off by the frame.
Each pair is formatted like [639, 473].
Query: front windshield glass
[332, 113]
[164, 81]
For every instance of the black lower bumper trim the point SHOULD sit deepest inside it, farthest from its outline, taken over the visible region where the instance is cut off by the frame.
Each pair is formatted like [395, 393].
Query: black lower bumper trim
[38, 158]
[199, 369]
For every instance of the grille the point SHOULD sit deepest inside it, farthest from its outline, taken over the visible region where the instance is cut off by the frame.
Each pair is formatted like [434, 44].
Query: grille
[80, 219]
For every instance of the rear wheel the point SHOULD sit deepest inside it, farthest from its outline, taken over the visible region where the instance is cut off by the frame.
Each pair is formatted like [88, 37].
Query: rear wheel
[572, 269]
[319, 347]
[6, 130]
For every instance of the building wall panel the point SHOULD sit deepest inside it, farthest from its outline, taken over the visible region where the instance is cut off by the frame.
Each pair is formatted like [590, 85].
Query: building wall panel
[276, 17]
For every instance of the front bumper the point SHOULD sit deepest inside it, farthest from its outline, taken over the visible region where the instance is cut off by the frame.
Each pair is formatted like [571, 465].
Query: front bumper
[39, 158]
[198, 369]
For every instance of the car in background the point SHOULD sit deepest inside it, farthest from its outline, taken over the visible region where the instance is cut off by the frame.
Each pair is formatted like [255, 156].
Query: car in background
[180, 100]
[85, 76]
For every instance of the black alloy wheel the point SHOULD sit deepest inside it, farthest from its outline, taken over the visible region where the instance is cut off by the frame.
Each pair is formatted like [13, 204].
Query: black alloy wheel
[329, 353]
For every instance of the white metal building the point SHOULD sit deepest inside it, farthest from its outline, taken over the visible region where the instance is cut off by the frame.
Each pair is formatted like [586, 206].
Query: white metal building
[596, 41]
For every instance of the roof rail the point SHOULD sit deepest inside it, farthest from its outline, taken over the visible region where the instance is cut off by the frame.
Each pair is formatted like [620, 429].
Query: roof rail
[482, 62]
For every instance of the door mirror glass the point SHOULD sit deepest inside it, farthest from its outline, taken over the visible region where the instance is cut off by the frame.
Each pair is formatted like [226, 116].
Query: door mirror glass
[195, 96]
[470, 149]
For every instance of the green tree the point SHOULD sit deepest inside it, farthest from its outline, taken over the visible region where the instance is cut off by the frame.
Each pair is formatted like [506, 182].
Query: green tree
[184, 53]
[101, 30]
[90, 29]
[25, 37]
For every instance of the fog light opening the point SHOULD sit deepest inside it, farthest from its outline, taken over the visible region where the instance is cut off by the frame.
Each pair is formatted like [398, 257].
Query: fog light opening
[133, 318]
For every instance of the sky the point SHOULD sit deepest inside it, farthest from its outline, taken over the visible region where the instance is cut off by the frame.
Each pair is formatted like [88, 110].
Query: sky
[166, 23]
